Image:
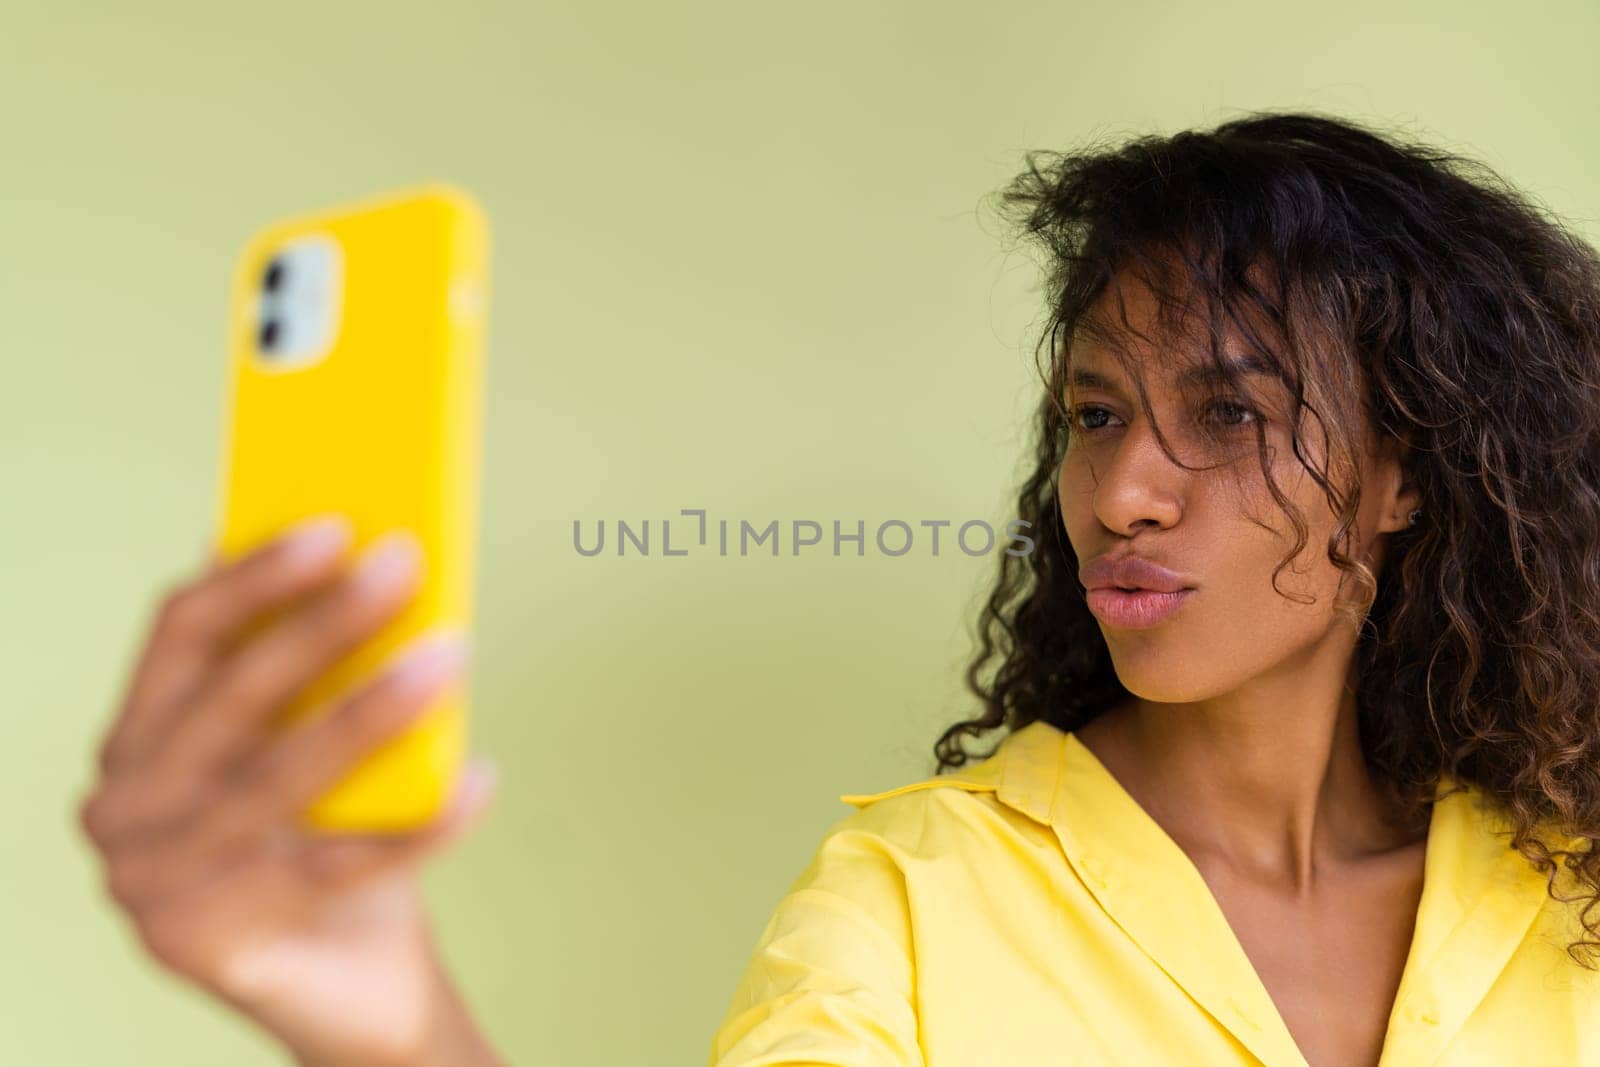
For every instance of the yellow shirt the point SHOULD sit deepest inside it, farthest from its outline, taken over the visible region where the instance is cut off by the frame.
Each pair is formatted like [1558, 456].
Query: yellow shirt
[1026, 911]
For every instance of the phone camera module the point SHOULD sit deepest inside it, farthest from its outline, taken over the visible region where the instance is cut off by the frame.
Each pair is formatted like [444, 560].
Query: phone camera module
[295, 317]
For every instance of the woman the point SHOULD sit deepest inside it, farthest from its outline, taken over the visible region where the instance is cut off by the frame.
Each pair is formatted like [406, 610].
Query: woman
[1324, 791]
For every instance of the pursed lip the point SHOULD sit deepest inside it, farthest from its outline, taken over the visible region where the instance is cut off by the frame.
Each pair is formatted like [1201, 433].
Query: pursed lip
[1130, 572]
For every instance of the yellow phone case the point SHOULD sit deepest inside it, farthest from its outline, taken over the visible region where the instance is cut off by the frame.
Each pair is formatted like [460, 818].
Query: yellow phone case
[384, 427]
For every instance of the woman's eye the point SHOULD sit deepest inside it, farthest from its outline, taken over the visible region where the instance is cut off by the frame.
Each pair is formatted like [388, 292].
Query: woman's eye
[1234, 413]
[1229, 414]
[1085, 411]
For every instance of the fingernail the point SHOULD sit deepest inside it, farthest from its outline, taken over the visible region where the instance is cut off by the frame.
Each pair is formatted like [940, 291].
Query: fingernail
[316, 538]
[393, 556]
[431, 660]
[485, 774]
[480, 778]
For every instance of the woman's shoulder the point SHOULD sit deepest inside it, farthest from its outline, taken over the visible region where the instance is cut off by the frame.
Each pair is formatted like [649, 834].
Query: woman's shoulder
[1015, 775]
[983, 777]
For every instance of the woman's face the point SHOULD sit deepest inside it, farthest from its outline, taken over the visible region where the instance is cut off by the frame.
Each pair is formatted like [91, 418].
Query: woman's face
[1219, 529]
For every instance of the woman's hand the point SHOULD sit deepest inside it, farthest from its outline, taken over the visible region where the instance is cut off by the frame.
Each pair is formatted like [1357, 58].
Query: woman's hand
[324, 941]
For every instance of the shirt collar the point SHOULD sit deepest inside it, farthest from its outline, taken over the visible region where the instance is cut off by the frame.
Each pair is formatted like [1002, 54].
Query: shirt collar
[1479, 896]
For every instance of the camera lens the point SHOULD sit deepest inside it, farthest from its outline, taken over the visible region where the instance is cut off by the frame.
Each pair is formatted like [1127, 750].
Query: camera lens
[274, 276]
[269, 334]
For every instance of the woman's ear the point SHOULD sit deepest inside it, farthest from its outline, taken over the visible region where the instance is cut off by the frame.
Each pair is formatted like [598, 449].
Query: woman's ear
[1402, 496]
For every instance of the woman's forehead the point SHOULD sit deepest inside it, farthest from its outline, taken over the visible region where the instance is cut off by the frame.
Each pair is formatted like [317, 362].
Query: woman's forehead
[1158, 313]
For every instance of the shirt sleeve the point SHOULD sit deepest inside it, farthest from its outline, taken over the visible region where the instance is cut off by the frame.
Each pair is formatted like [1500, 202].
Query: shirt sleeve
[831, 980]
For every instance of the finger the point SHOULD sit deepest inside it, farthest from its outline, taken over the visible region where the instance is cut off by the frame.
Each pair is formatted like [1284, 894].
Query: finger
[229, 716]
[280, 782]
[342, 863]
[213, 559]
[196, 620]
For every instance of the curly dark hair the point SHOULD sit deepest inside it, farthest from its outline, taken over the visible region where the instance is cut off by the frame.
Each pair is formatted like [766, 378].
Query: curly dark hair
[1470, 317]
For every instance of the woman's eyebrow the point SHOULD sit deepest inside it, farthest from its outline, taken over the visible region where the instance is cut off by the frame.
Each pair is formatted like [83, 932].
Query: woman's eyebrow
[1245, 365]
[1088, 379]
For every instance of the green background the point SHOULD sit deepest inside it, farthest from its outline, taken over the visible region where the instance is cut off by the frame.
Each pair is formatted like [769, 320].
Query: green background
[740, 264]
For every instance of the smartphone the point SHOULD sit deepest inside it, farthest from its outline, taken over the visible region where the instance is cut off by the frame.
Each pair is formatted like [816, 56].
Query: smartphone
[354, 385]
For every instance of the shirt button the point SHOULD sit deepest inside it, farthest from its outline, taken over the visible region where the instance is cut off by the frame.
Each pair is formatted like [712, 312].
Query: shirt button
[1096, 873]
[1428, 1017]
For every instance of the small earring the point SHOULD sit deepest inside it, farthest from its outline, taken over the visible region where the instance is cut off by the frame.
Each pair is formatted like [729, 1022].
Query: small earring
[1415, 515]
